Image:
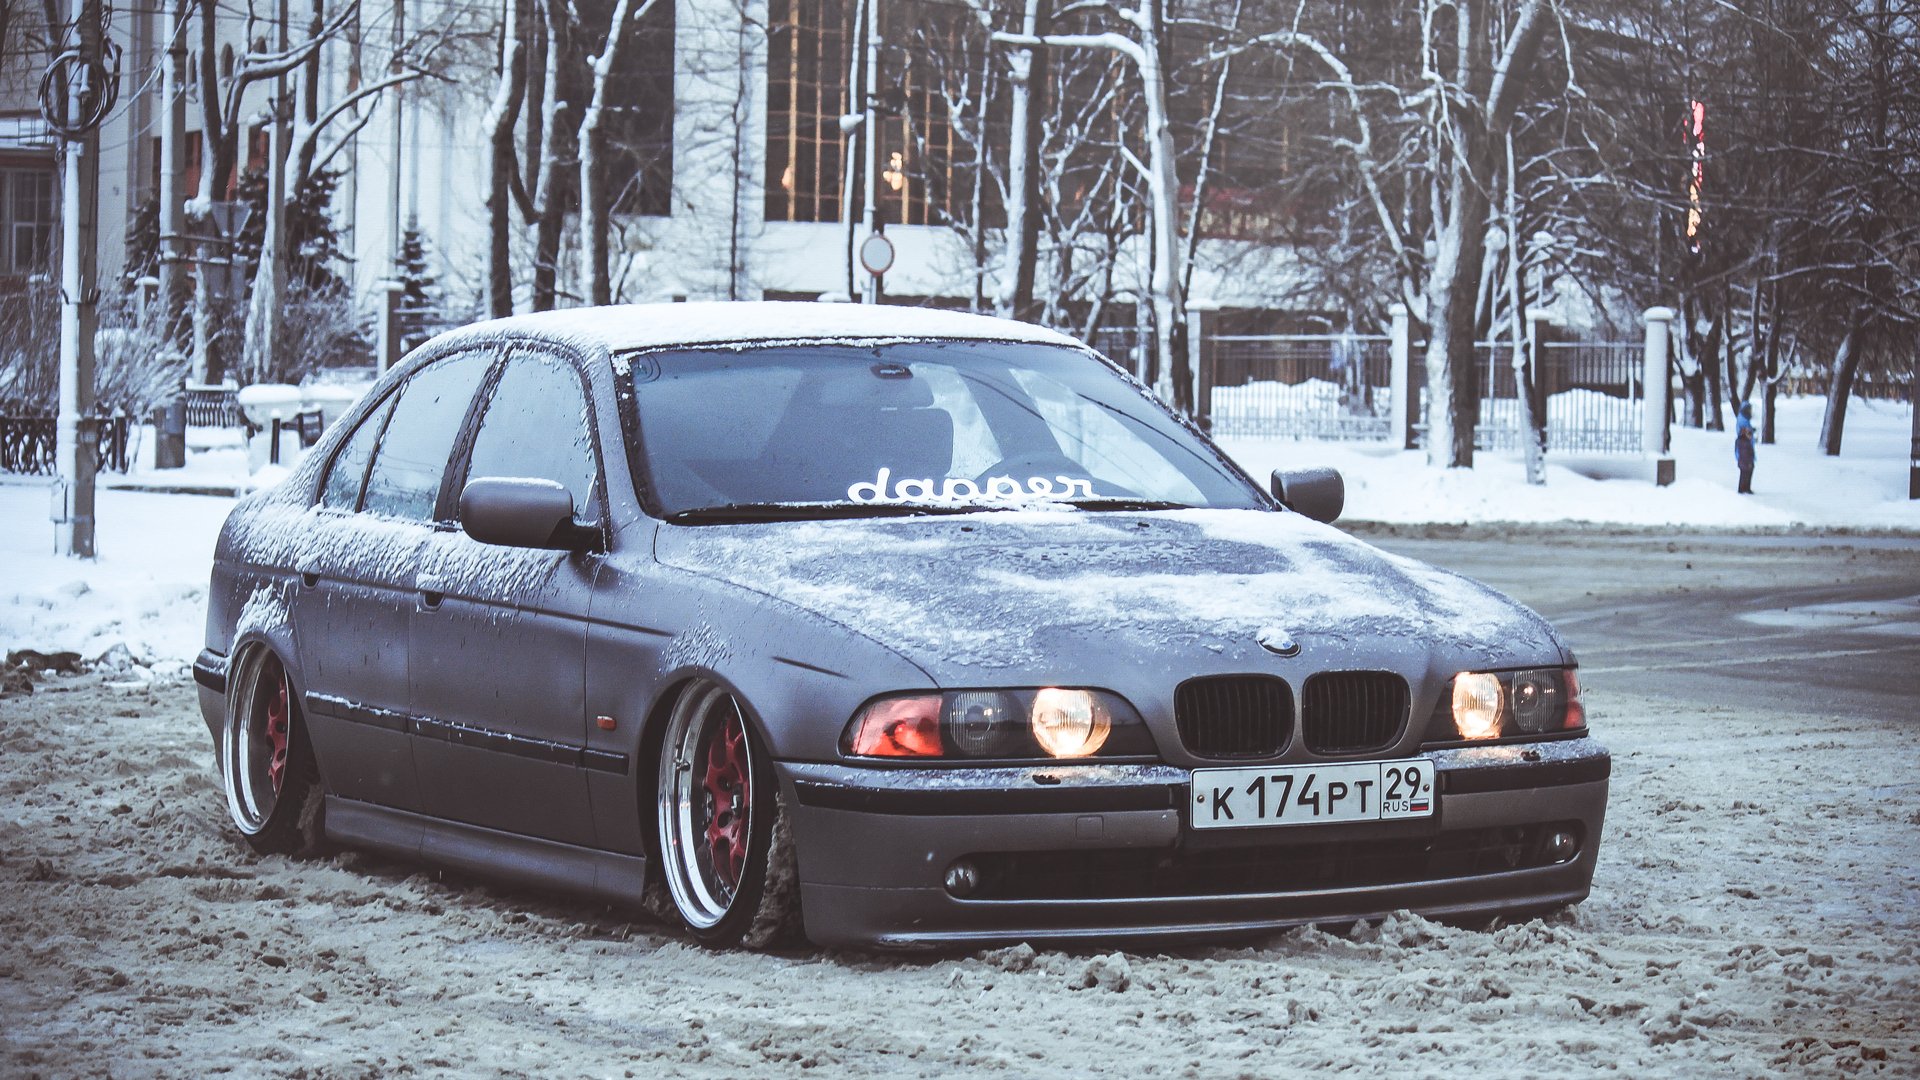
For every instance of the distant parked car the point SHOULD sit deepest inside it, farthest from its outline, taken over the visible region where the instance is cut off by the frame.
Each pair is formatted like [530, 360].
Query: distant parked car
[901, 627]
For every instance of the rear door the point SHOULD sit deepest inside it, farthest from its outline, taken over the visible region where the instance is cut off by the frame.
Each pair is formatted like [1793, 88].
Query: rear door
[357, 564]
[498, 636]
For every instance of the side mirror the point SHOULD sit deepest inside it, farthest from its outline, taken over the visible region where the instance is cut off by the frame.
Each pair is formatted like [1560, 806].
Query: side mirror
[1318, 493]
[517, 512]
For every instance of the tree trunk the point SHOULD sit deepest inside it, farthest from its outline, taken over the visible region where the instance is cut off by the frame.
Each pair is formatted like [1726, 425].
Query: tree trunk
[1533, 429]
[1029, 72]
[552, 208]
[1770, 388]
[502, 114]
[1169, 308]
[594, 201]
[309, 99]
[1470, 168]
[1846, 361]
[1713, 361]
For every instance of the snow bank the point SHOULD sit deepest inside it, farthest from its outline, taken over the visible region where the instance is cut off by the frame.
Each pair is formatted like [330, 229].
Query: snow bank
[1795, 485]
[147, 590]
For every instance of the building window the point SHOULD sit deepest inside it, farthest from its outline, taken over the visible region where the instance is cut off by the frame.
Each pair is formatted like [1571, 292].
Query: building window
[27, 199]
[639, 131]
[925, 166]
[807, 57]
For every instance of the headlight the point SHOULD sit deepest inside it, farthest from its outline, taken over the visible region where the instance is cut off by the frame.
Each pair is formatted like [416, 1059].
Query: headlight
[1476, 705]
[1070, 723]
[1491, 704]
[984, 725]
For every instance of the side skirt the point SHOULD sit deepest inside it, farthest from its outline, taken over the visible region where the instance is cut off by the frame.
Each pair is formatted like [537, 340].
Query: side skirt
[546, 864]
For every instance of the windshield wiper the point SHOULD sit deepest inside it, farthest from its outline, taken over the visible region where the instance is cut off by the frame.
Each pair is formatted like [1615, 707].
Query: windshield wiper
[1117, 503]
[736, 513]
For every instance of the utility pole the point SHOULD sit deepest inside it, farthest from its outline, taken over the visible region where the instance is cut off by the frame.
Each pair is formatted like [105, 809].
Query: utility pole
[273, 245]
[173, 167]
[870, 128]
[389, 328]
[77, 438]
[397, 149]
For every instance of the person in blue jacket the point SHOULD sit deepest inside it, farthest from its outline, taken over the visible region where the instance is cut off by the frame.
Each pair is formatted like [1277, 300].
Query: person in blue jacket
[1743, 446]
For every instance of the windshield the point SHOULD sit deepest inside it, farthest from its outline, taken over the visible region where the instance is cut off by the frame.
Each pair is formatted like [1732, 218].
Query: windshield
[909, 427]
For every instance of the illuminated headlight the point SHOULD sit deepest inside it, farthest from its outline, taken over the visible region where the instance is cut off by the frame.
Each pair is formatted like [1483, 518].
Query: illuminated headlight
[1476, 705]
[984, 725]
[1492, 704]
[1069, 723]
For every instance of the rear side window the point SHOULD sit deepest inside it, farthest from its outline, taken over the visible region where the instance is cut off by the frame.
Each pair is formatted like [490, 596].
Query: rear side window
[418, 441]
[342, 489]
[536, 426]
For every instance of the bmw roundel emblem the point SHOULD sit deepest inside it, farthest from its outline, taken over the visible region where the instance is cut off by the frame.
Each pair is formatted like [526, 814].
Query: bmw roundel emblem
[1277, 641]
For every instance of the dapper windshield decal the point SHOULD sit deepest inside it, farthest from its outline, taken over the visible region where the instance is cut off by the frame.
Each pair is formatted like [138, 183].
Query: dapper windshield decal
[961, 489]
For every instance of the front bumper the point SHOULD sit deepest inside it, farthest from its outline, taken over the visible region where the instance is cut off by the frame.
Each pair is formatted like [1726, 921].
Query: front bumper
[1103, 851]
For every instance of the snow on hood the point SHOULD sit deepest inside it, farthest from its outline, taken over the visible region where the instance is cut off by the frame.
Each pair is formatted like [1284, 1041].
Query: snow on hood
[1003, 589]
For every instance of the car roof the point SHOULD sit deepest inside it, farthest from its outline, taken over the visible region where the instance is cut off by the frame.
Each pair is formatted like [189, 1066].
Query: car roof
[629, 327]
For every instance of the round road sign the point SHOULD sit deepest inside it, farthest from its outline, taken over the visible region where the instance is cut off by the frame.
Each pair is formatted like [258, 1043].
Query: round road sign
[876, 254]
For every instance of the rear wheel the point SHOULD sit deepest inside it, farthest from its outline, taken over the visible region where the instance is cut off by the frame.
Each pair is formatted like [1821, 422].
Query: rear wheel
[273, 789]
[725, 852]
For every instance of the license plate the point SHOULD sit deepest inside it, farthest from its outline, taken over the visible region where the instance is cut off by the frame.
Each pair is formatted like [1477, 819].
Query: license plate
[1312, 794]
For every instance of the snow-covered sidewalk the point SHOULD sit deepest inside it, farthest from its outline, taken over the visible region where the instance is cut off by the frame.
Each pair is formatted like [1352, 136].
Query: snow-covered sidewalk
[1795, 485]
[147, 590]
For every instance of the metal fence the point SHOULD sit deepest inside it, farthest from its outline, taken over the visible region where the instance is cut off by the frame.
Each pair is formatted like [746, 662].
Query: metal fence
[1334, 386]
[213, 406]
[1590, 393]
[29, 444]
[1303, 386]
[1594, 395]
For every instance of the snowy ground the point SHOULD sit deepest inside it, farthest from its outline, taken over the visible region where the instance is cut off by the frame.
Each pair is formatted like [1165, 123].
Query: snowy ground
[147, 590]
[1755, 911]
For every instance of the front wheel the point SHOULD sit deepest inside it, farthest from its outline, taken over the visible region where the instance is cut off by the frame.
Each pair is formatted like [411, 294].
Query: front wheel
[273, 789]
[725, 852]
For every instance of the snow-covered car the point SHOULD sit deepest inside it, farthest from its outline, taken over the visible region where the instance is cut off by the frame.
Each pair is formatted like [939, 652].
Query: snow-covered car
[900, 627]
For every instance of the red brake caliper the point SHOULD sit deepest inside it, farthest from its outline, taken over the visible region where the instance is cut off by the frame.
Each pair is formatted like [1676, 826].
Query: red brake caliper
[726, 784]
[277, 729]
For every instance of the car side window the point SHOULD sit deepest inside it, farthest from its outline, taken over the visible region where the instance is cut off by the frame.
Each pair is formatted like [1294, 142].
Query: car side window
[349, 469]
[536, 425]
[418, 442]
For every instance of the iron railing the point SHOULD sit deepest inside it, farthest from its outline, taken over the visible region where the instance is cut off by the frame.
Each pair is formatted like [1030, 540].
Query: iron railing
[1589, 391]
[1303, 386]
[29, 444]
[213, 406]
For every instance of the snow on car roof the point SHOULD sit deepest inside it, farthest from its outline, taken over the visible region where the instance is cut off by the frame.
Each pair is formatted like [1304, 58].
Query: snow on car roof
[626, 327]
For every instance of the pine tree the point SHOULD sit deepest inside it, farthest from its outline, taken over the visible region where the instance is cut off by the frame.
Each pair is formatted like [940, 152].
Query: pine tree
[420, 296]
[313, 241]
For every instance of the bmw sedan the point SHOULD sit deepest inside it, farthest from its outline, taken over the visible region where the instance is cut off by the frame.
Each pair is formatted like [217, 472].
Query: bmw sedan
[893, 628]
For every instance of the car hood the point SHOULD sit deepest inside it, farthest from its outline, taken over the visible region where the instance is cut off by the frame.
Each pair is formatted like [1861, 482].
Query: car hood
[1064, 594]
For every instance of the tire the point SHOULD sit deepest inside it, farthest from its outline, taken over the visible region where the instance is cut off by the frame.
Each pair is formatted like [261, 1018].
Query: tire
[726, 855]
[274, 794]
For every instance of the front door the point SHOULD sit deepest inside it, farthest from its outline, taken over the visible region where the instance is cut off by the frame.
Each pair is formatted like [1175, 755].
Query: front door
[498, 634]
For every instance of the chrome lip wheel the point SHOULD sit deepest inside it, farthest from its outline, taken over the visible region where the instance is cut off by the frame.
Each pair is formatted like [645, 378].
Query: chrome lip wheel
[255, 744]
[705, 803]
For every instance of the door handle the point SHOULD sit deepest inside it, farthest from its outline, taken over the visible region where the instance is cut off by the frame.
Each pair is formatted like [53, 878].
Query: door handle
[432, 590]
